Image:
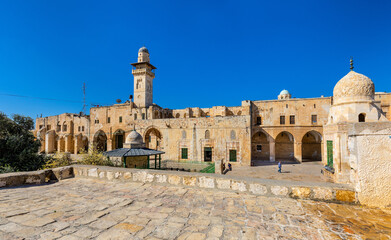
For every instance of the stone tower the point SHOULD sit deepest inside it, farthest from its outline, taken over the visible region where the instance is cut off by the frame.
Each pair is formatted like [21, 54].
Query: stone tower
[143, 73]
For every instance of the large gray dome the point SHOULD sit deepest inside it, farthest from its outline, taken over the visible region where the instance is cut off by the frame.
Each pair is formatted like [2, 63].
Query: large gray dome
[143, 49]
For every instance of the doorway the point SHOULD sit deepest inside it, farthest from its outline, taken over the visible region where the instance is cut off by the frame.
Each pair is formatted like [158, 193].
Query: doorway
[207, 154]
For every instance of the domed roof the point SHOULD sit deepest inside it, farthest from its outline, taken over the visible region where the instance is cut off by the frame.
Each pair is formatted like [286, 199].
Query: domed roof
[143, 49]
[284, 92]
[354, 85]
[134, 138]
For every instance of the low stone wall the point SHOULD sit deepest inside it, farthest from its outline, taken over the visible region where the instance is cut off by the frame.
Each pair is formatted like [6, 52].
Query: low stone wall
[320, 192]
[278, 188]
[185, 165]
[35, 177]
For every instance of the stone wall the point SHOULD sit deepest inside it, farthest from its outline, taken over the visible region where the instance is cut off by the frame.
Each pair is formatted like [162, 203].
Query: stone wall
[328, 192]
[35, 177]
[369, 145]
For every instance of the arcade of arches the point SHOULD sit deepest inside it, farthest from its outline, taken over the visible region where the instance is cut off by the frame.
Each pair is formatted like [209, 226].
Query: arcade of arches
[286, 147]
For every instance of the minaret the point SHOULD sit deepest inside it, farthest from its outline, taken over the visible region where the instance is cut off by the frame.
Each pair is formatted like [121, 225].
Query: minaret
[143, 79]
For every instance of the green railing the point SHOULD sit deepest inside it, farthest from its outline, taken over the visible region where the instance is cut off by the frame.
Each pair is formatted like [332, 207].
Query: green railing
[209, 169]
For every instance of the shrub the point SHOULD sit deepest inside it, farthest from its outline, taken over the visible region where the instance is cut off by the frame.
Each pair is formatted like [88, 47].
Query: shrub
[58, 160]
[6, 169]
[95, 157]
[18, 146]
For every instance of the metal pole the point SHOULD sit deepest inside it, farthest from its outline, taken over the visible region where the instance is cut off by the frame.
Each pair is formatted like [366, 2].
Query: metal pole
[159, 159]
[148, 162]
[155, 160]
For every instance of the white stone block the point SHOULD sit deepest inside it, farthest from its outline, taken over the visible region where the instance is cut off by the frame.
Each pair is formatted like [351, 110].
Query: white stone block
[258, 189]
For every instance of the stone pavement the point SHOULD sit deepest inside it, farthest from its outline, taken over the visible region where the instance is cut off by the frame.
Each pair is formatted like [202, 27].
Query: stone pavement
[92, 209]
[303, 172]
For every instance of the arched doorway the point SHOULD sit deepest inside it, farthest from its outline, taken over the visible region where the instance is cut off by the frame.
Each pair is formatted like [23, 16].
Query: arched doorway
[100, 141]
[85, 143]
[285, 146]
[260, 148]
[119, 139]
[61, 144]
[153, 139]
[311, 146]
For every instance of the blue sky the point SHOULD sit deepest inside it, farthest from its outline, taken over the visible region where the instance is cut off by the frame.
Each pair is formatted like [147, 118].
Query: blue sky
[208, 53]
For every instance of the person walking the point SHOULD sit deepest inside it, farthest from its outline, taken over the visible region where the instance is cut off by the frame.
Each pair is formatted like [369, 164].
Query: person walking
[279, 166]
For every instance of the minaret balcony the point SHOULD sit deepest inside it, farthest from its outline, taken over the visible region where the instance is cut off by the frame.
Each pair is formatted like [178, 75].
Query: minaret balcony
[142, 71]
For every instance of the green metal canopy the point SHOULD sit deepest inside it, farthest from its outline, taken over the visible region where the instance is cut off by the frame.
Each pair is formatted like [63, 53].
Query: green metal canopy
[132, 152]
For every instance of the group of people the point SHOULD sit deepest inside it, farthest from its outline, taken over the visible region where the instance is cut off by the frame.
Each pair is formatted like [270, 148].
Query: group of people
[230, 167]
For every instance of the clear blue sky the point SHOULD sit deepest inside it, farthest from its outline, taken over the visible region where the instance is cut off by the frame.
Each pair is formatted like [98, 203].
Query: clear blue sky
[208, 53]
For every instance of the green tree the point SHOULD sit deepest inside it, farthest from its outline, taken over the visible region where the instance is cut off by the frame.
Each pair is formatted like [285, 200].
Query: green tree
[18, 146]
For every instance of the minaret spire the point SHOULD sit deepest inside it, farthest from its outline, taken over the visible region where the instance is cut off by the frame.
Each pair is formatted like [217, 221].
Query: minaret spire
[351, 64]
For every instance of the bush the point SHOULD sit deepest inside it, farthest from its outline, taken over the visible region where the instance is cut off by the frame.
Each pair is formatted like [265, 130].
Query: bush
[58, 160]
[6, 169]
[18, 146]
[95, 157]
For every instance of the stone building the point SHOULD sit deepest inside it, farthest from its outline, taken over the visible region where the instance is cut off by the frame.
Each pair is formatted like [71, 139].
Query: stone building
[287, 128]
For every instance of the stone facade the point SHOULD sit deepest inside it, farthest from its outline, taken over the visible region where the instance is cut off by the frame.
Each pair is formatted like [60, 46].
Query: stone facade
[283, 129]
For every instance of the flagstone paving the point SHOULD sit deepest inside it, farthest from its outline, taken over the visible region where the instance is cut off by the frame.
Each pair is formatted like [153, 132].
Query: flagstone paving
[91, 209]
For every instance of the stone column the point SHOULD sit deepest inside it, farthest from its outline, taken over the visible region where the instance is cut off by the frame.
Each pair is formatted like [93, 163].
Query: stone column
[59, 144]
[298, 151]
[272, 146]
[218, 167]
[109, 144]
[66, 143]
[77, 143]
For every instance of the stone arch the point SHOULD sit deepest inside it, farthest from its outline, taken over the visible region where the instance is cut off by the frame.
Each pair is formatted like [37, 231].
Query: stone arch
[260, 147]
[361, 117]
[153, 138]
[118, 139]
[285, 146]
[100, 141]
[177, 115]
[311, 146]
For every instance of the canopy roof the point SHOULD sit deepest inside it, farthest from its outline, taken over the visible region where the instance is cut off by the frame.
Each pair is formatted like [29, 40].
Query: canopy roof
[132, 152]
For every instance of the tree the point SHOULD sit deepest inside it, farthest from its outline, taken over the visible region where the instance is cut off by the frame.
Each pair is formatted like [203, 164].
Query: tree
[18, 146]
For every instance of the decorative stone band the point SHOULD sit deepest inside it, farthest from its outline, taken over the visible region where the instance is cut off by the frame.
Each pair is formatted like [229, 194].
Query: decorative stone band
[265, 187]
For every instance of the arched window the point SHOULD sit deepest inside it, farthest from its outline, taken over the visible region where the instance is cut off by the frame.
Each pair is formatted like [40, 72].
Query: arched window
[183, 134]
[233, 135]
[207, 134]
[361, 117]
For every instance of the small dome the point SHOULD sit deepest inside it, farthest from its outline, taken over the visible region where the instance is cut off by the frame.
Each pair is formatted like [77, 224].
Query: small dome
[143, 49]
[134, 138]
[284, 92]
[354, 86]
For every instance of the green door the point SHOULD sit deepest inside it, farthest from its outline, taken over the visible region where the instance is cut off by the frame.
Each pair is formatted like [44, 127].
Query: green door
[232, 155]
[330, 154]
[208, 154]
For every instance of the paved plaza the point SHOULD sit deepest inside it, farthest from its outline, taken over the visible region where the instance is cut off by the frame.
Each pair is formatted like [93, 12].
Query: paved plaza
[80, 208]
[303, 172]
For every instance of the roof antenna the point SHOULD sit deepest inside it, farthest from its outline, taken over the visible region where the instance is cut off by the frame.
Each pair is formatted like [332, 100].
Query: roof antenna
[84, 99]
[351, 64]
